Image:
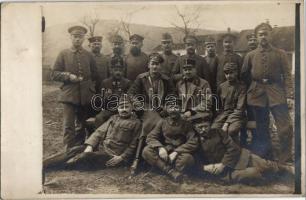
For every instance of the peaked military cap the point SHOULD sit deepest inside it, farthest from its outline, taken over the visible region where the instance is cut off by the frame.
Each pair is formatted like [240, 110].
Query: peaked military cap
[230, 66]
[229, 36]
[210, 40]
[116, 62]
[251, 35]
[190, 37]
[124, 99]
[136, 37]
[189, 63]
[77, 30]
[166, 37]
[116, 39]
[156, 57]
[263, 26]
[95, 39]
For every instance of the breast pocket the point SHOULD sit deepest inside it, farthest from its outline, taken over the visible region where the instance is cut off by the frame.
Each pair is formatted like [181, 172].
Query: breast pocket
[125, 133]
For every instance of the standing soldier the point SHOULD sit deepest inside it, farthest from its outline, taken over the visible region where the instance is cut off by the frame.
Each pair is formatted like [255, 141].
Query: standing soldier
[201, 65]
[194, 93]
[212, 60]
[113, 88]
[228, 55]
[168, 66]
[136, 60]
[118, 51]
[271, 86]
[95, 44]
[232, 93]
[76, 68]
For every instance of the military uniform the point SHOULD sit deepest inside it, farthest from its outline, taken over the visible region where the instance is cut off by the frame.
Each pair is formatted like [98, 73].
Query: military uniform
[227, 57]
[232, 105]
[136, 64]
[75, 96]
[101, 61]
[175, 136]
[117, 137]
[240, 164]
[271, 85]
[168, 66]
[194, 94]
[113, 88]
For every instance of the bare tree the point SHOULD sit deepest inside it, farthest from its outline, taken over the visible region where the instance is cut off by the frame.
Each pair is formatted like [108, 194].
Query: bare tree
[126, 21]
[91, 21]
[189, 20]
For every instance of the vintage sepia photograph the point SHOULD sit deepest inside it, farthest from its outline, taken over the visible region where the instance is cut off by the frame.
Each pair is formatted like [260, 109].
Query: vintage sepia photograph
[171, 98]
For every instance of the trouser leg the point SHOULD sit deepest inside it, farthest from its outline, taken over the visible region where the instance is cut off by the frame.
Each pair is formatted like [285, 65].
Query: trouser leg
[262, 142]
[69, 116]
[93, 160]
[233, 131]
[284, 130]
[150, 155]
[184, 161]
[57, 161]
[81, 116]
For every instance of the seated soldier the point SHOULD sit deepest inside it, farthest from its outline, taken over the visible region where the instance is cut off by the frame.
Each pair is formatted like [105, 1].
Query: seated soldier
[170, 144]
[232, 93]
[194, 92]
[150, 91]
[113, 88]
[221, 157]
[117, 138]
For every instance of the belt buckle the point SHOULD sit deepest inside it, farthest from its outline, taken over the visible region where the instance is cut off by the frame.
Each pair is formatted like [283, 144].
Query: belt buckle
[265, 80]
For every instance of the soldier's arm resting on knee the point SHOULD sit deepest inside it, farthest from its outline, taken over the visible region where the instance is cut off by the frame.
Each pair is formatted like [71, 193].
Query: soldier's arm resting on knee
[191, 143]
[240, 108]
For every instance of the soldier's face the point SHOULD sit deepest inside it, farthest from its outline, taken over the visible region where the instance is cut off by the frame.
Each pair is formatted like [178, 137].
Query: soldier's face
[135, 46]
[167, 45]
[154, 67]
[125, 110]
[228, 44]
[264, 37]
[252, 43]
[118, 47]
[77, 40]
[96, 47]
[189, 72]
[117, 73]
[202, 128]
[211, 49]
[231, 75]
[173, 111]
[190, 46]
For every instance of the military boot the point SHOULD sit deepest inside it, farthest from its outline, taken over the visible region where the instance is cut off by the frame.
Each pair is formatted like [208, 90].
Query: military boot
[173, 173]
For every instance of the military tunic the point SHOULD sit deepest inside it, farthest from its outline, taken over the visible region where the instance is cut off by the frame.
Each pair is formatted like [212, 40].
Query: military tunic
[75, 96]
[213, 67]
[232, 107]
[102, 66]
[136, 65]
[175, 136]
[240, 164]
[168, 66]
[268, 92]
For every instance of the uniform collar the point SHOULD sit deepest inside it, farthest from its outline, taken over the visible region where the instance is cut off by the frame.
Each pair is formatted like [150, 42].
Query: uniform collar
[268, 48]
[97, 54]
[194, 80]
[74, 50]
[228, 52]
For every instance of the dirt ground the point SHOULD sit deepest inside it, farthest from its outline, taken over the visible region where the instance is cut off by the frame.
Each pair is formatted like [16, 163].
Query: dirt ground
[115, 181]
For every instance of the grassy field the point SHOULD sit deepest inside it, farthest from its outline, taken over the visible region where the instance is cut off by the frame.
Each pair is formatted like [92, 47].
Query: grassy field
[115, 181]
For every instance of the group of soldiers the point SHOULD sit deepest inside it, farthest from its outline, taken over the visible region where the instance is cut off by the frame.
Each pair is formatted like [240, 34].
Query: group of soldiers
[180, 114]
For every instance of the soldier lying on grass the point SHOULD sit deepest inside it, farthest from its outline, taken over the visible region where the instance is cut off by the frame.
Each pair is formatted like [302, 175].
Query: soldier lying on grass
[112, 144]
[220, 156]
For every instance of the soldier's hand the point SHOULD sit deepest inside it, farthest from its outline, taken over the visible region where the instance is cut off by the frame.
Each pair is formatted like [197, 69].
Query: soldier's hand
[163, 154]
[114, 161]
[218, 169]
[172, 156]
[73, 78]
[187, 114]
[225, 127]
[88, 149]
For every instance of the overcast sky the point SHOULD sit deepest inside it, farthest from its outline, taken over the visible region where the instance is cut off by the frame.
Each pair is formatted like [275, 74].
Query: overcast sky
[213, 15]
